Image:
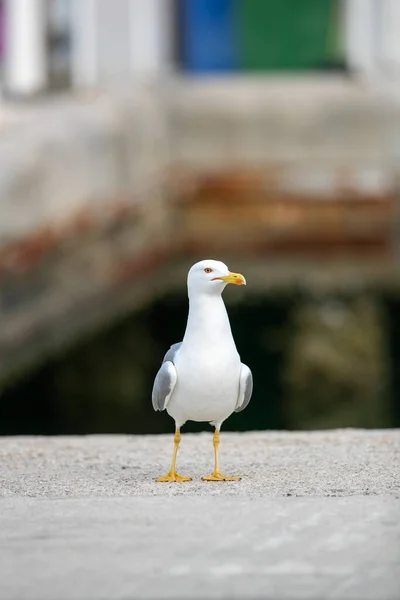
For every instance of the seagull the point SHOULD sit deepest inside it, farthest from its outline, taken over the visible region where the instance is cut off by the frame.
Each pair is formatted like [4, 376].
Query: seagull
[202, 378]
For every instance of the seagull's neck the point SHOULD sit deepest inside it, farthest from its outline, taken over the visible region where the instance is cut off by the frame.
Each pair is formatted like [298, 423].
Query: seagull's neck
[207, 320]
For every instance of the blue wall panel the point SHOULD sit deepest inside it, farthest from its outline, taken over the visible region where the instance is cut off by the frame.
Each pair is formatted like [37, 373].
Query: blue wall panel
[208, 35]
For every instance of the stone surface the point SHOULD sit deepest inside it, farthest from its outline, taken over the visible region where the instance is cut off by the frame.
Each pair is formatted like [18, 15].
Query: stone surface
[199, 547]
[315, 516]
[332, 463]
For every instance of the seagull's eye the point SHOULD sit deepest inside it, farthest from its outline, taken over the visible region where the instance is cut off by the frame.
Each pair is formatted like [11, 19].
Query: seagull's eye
[207, 270]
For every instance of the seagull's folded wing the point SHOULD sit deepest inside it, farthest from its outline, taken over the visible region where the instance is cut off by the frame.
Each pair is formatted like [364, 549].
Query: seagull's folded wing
[245, 388]
[164, 384]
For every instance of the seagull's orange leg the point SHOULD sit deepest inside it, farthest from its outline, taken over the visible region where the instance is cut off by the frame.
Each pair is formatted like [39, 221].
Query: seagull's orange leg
[217, 475]
[173, 475]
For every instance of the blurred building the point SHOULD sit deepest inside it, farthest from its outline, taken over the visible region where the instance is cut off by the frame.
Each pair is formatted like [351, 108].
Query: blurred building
[47, 44]
[264, 132]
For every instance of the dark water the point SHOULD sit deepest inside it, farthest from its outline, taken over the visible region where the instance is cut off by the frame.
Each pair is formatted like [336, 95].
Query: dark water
[317, 363]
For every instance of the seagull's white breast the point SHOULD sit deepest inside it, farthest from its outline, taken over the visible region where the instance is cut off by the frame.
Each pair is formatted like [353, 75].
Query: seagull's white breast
[208, 368]
[207, 387]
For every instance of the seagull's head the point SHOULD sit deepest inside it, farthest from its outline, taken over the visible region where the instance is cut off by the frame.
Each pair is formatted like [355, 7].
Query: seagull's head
[211, 276]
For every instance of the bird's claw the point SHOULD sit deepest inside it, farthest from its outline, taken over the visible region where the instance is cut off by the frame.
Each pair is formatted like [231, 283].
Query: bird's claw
[217, 476]
[171, 477]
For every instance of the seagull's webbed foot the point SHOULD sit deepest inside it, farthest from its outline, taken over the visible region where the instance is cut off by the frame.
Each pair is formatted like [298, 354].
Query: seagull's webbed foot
[217, 476]
[173, 476]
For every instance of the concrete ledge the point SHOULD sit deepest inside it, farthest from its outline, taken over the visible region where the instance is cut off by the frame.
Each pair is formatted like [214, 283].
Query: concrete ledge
[332, 463]
[245, 121]
[315, 516]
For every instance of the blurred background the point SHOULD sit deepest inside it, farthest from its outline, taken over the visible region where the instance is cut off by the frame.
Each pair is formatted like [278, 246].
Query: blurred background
[139, 136]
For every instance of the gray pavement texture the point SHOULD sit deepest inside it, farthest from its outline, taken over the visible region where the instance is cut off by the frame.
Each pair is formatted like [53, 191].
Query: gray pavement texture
[316, 515]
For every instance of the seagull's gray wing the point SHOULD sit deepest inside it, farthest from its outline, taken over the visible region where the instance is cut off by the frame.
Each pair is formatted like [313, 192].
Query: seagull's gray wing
[171, 352]
[165, 380]
[245, 388]
[164, 384]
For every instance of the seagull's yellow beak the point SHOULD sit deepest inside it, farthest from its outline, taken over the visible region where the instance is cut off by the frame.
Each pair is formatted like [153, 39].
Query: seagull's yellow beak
[235, 278]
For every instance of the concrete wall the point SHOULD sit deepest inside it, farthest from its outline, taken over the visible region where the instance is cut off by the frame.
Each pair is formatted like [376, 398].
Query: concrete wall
[82, 194]
[98, 192]
[305, 167]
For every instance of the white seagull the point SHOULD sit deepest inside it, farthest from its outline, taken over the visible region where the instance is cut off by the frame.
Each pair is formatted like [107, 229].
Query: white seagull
[202, 377]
